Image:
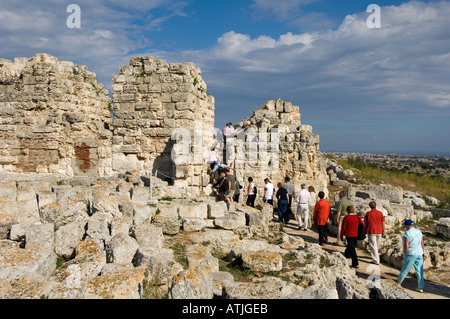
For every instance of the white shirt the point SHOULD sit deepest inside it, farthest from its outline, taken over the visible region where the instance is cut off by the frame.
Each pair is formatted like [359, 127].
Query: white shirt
[313, 199]
[303, 197]
[251, 186]
[228, 131]
[212, 156]
[269, 188]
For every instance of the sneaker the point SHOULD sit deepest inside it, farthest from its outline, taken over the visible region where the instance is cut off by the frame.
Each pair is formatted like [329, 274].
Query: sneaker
[419, 290]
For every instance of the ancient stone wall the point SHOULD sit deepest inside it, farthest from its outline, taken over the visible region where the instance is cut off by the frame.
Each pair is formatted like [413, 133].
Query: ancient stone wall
[163, 120]
[273, 143]
[54, 118]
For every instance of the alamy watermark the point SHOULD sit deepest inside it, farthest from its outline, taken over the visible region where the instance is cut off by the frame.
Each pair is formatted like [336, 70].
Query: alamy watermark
[74, 19]
[246, 146]
[374, 20]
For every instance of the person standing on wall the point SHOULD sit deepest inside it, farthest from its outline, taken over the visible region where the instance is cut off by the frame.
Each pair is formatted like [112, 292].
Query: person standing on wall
[269, 189]
[212, 160]
[227, 133]
[322, 212]
[374, 228]
[413, 251]
[231, 186]
[251, 193]
[303, 199]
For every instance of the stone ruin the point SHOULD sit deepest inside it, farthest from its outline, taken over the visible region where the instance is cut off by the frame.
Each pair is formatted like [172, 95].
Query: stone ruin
[56, 119]
[161, 109]
[273, 143]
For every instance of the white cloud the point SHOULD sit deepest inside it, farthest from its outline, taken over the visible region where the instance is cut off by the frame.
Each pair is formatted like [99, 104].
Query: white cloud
[110, 29]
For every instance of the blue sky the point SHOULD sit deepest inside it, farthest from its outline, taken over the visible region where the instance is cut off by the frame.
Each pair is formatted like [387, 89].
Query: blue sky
[381, 90]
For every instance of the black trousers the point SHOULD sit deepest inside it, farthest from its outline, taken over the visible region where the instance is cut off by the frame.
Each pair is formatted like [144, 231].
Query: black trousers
[350, 251]
[289, 210]
[251, 200]
[323, 236]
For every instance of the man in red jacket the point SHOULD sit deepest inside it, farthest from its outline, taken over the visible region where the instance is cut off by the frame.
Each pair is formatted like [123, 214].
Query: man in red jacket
[322, 212]
[374, 228]
[350, 231]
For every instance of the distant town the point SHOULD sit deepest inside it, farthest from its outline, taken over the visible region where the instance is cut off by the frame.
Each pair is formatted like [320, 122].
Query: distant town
[434, 166]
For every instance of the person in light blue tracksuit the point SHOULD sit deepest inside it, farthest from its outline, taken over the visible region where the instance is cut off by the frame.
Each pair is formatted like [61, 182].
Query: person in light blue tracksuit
[413, 251]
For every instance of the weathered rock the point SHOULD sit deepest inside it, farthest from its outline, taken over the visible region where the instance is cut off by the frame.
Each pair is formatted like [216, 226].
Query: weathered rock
[262, 261]
[40, 236]
[72, 276]
[230, 221]
[200, 256]
[169, 225]
[148, 236]
[443, 227]
[268, 288]
[193, 224]
[17, 264]
[251, 245]
[220, 241]
[124, 282]
[217, 209]
[160, 263]
[222, 281]
[192, 284]
[69, 236]
[121, 249]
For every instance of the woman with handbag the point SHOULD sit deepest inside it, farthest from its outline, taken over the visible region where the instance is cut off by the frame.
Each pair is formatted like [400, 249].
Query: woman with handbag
[350, 227]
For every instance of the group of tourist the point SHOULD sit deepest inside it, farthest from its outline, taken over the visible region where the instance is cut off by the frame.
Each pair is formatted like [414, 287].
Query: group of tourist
[373, 226]
[351, 227]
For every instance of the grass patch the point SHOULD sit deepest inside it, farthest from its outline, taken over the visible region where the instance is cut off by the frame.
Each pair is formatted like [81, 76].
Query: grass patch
[426, 185]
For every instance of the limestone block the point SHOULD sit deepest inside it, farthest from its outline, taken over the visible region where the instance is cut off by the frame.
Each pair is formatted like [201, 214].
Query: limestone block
[60, 215]
[70, 278]
[160, 263]
[123, 283]
[193, 210]
[27, 212]
[231, 221]
[262, 261]
[200, 256]
[220, 241]
[193, 224]
[181, 97]
[69, 236]
[192, 284]
[148, 235]
[40, 236]
[121, 249]
[17, 264]
[252, 246]
[7, 218]
[443, 227]
[169, 225]
[217, 209]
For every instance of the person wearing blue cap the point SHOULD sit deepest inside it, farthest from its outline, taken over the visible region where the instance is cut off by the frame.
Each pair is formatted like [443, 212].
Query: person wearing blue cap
[413, 251]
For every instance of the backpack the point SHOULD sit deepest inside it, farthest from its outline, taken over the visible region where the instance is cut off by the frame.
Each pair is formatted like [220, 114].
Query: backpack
[361, 233]
[255, 190]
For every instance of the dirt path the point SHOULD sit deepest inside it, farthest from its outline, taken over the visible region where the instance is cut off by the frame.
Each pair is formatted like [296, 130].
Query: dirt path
[432, 290]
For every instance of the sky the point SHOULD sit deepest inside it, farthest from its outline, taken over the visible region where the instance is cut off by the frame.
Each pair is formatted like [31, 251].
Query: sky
[362, 89]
